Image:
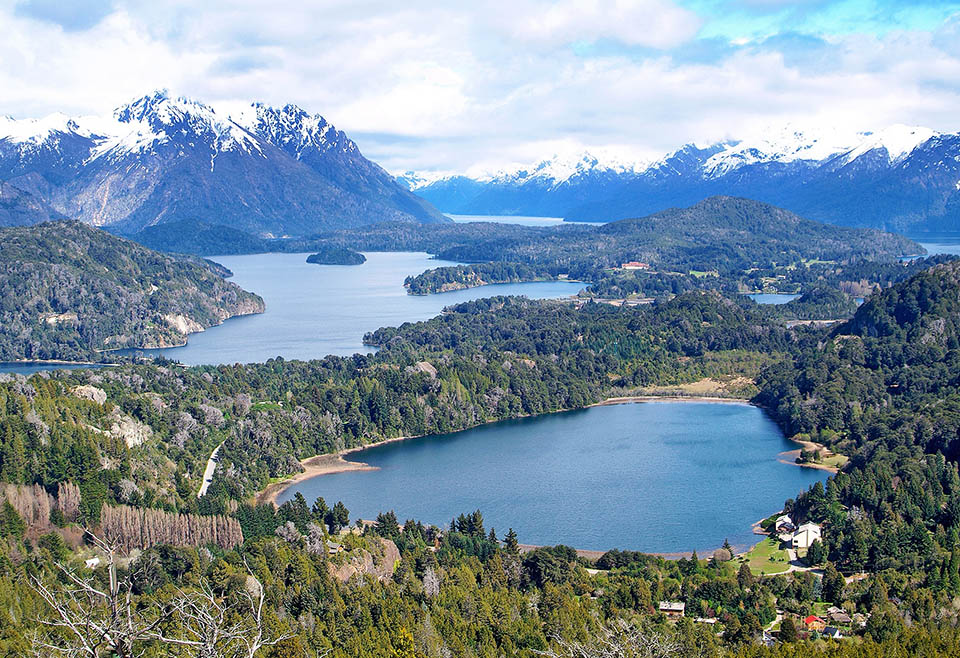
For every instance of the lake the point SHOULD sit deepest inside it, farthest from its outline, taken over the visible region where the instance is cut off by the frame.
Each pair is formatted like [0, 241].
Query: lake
[316, 310]
[771, 298]
[508, 219]
[653, 476]
[940, 243]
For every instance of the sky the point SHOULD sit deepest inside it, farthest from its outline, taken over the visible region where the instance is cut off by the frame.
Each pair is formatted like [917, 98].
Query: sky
[458, 86]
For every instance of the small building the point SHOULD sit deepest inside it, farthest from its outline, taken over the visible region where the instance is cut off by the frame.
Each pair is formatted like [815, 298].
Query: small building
[92, 563]
[840, 617]
[784, 524]
[806, 535]
[832, 632]
[706, 620]
[814, 623]
[673, 609]
[333, 548]
[634, 265]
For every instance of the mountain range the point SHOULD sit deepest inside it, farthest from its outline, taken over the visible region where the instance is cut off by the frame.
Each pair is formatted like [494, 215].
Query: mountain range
[262, 170]
[903, 178]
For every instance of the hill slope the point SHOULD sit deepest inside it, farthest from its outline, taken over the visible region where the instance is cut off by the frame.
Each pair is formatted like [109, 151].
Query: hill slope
[726, 234]
[67, 289]
[162, 159]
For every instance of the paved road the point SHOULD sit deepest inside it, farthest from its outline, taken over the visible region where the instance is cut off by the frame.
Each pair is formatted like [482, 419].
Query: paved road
[209, 471]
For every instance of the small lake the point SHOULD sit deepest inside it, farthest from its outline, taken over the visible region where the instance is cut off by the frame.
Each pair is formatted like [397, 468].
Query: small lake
[654, 476]
[771, 298]
[316, 310]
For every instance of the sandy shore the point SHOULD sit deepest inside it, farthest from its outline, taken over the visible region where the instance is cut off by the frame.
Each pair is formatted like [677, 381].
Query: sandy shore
[669, 398]
[314, 466]
[791, 456]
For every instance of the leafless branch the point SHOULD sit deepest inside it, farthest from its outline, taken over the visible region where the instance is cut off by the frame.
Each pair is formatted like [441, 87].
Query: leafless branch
[621, 639]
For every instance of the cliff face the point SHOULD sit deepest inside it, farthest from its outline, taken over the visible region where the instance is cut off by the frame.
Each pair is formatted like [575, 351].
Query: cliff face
[70, 290]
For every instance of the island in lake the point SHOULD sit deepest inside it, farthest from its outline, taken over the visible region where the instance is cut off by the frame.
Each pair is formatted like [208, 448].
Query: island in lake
[334, 255]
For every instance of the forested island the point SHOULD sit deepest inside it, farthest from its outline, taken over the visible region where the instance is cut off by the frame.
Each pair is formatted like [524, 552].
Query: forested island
[332, 255]
[880, 388]
[70, 291]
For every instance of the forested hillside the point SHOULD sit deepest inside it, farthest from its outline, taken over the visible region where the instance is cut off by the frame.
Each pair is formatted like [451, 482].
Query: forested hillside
[69, 290]
[723, 243]
[881, 388]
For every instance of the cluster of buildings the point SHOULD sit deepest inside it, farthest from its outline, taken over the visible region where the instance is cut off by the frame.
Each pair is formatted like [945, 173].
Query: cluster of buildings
[797, 537]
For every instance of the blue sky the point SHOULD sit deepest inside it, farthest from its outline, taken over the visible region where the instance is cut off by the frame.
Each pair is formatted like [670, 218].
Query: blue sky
[455, 87]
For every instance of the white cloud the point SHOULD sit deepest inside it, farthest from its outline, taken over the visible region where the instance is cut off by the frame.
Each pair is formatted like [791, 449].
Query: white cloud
[654, 23]
[437, 86]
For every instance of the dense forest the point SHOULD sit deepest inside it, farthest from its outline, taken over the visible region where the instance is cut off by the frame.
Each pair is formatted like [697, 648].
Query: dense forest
[724, 234]
[880, 388]
[333, 255]
[69, 290]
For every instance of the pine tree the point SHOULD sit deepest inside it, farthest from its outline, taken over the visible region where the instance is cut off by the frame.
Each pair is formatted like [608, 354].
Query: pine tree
[510, 542]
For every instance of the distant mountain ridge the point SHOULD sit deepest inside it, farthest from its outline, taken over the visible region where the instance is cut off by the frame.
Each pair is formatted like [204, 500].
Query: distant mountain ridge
[263, 170]
[903, 178]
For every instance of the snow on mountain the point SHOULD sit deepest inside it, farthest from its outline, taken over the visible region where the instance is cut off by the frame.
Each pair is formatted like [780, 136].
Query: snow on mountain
[561, 168]
[414, 180]
[898, 140]
[784, 145]
[161, 158]
[159, 118]
[135, 127]
[35, 131]
[900, 178]
[291, 128]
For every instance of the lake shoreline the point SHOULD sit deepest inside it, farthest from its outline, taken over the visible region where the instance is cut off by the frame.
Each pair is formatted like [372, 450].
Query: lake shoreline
[337, 462]
[330, 463]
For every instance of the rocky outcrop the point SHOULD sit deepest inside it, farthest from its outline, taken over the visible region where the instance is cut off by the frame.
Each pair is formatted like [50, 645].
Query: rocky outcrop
[92, 393]
[378, 562]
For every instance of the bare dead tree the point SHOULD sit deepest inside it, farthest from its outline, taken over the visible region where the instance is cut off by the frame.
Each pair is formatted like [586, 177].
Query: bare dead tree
[621, 639]
[90, 620]
[211, 626]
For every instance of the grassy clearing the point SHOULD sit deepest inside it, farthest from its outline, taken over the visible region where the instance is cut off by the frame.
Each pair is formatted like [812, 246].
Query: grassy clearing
[767, 558]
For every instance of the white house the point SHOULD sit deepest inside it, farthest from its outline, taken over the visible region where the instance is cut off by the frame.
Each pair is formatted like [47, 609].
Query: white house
[806, 535]
[784, 524]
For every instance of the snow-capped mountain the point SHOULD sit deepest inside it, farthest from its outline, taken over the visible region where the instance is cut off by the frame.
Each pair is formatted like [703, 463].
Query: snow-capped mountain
[162, 158]
[903, 178]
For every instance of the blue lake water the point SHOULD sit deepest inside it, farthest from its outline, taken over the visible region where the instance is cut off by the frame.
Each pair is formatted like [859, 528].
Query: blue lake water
[508, 219]
[35, 367]
[940, 244]
[771, 298]
[316, 310]
[654, 476]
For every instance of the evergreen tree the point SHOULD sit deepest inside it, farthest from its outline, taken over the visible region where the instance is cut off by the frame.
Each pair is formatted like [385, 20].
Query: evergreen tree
[788, 630]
